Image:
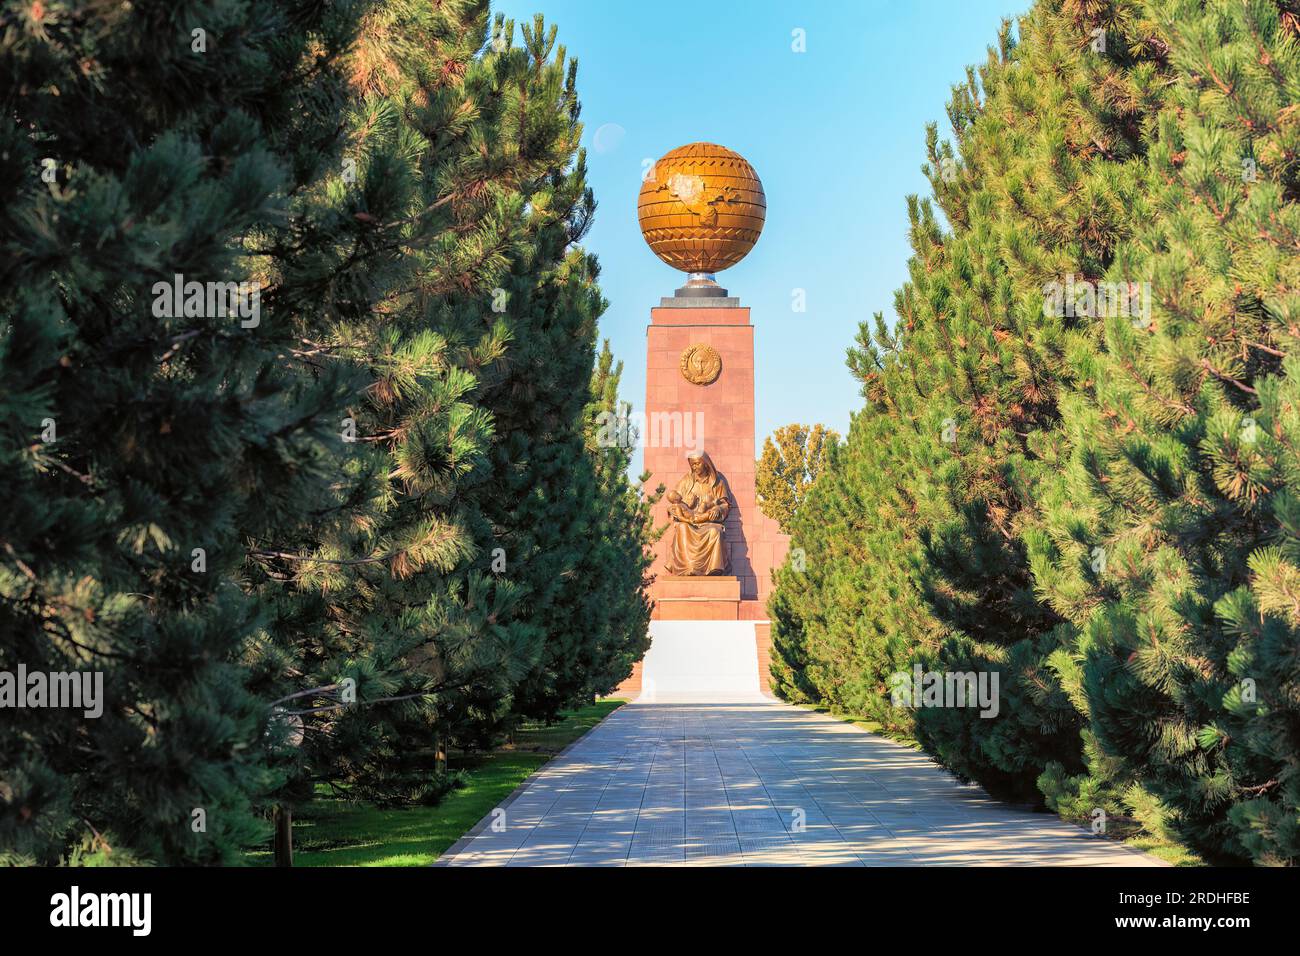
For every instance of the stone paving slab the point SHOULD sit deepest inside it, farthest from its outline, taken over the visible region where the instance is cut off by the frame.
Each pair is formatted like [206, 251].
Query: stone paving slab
[761, 784]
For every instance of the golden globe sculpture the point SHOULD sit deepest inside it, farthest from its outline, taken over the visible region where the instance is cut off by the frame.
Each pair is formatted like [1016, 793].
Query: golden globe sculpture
[701, 210]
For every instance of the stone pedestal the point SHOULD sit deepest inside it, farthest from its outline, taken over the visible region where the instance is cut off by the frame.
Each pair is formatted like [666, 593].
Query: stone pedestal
[713, 598]
[718, 417]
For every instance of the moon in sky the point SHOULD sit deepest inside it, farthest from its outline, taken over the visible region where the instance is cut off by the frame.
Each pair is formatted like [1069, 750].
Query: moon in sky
[608, 137]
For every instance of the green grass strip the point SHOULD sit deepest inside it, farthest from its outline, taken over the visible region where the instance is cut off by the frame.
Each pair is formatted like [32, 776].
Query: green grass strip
[338, 832]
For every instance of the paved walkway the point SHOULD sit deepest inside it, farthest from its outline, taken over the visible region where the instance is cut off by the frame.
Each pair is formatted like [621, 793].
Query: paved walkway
[761, 783]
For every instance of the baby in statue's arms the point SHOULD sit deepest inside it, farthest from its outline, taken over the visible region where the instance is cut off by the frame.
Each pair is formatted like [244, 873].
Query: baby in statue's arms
[694, 509]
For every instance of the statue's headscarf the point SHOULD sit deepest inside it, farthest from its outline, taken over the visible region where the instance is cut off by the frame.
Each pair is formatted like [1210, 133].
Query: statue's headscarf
[710, 471]
[716, 484]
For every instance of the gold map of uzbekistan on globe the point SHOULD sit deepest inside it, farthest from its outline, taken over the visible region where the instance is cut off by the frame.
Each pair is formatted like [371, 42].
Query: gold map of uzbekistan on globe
[702, 208]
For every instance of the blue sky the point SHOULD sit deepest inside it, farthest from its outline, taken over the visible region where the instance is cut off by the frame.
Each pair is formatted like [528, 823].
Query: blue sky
[836, 133]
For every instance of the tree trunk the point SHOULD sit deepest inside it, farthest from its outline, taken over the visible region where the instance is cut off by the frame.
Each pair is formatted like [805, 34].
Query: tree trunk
[283, 818]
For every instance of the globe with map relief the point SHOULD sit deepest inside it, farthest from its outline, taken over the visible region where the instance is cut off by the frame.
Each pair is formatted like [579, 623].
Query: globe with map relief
[701, 208]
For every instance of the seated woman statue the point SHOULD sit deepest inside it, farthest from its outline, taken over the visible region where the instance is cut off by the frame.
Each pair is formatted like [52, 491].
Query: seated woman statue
[698, 507]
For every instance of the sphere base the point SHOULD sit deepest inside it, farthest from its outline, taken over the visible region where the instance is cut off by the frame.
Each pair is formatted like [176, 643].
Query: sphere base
[701, 285]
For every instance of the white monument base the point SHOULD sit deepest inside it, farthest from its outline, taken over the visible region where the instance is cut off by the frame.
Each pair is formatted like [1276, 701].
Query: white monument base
[700, 661]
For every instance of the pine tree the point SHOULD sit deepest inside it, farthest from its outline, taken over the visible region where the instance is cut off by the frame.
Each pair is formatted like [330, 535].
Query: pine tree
[845, 616]
[619, 564]
[1111, 527]
[279, 541]
[1169, 538]
[457, 590]
[391, 629]
[146, 443]
[549, 498]
[605, 601]
[1076, 102]
[961, 395]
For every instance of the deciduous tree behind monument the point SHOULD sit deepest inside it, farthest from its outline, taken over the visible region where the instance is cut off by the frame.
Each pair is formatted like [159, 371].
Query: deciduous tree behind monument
[792, 458]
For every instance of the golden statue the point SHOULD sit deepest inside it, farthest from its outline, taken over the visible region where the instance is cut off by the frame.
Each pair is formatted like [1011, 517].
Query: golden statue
[702, 209]
[697, 508]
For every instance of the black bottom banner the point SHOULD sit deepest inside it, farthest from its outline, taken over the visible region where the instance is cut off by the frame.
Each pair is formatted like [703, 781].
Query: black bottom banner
[369, 906]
